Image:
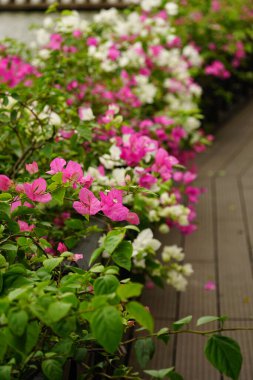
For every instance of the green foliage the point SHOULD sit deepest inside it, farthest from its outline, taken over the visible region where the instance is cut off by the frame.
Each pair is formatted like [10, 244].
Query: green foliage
[210, 318]
[224, 354]
[181, 323]
[138, 312]
[107, 327]
[122, 255]
[144, 351]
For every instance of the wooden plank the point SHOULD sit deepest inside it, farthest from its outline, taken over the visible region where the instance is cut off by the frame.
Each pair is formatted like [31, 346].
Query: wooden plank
[236, 284]
[229, 141]
[161, 302]
[242, 160]
[199, 246]
[197, 301]
[246, 188]
[191, 362]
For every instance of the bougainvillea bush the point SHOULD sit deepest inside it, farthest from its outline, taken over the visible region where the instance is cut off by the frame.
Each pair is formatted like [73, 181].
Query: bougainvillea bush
[100, 124]
[222, 32]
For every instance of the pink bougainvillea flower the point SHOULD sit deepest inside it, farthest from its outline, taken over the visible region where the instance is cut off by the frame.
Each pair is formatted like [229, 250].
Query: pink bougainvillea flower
[193, 193]
[136, 147]
[86, 181]
[20, 188]
[210, 286]
[17, 202]
[36, 191]
[133, 218]
[57, 165]
[25, 226]
[88, 205]
[62, 247]
[164, 164]
[147, 180]
[72, 173]
[32, 168]
[5, 182]
[92, 41]
[112, 207]
[149, 285]
[77, 256]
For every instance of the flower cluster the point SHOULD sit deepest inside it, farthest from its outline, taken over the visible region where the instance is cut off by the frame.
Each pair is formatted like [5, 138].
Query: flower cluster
[100, 123]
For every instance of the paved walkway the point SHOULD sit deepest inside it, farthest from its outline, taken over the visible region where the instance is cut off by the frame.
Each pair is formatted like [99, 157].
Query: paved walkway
[220, 251]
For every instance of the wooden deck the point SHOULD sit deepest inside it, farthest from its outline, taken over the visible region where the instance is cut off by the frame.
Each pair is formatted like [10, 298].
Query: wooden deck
[221, 251]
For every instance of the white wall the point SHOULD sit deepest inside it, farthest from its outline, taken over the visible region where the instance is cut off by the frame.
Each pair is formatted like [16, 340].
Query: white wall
[16, 24]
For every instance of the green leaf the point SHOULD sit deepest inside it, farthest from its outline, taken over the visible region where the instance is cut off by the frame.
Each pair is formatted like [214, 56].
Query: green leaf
[107, 327]
[122, 255]
[59, 194]
[224, 354]
[159, 374]
[175, 376]
[85, 132]
[58, 310]
[163, 335]
[5, 372]
[95, 255]
[97, 268]
[75, 224]
[129, 290]
[57, 178]
[5, 210]
[10, 248]
[64, 327]
[24, 241]
[138, 312]
[144, 351]
[32, 336]
[132, 227]
[52, 369]
[17, 322]
[106, 284]
[3, 262]
[207, 319]
[181, 322]
[16, 293]
[63, 347]
[5, 197]
[113, 239]
[3, 345]
[50, 264]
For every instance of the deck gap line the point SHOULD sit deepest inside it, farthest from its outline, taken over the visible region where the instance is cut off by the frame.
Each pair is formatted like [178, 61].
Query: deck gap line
[245, 220]
[236, 153]
[215, 237]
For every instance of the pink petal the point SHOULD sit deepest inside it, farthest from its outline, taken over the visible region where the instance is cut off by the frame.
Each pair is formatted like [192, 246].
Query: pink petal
[39, 186]
[77, 256]
[32, 168]
[43, 198]
[133, 218]
[5, 182]
[57, 165]
[117, 212]
[81, 208]
[210, 286]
